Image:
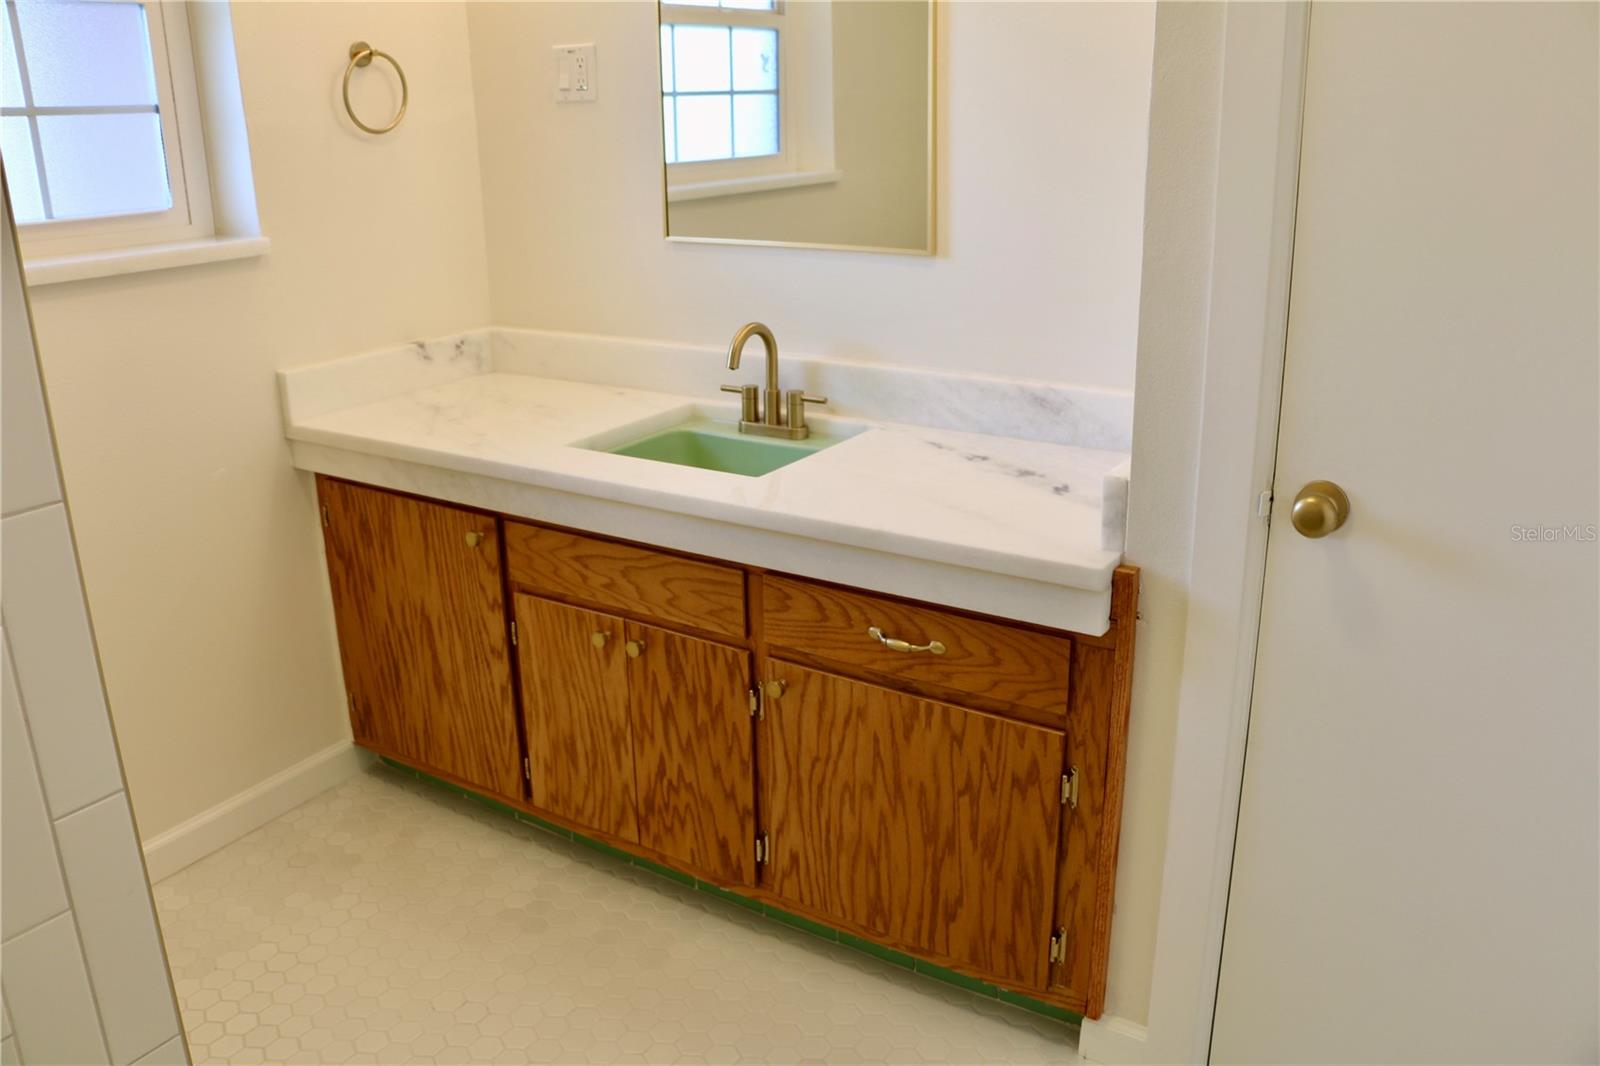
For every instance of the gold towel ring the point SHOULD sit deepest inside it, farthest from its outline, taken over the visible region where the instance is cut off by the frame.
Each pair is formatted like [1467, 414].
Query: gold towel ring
[361, 55]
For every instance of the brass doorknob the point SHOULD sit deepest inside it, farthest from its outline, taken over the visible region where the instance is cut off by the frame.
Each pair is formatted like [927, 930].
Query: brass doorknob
[1319, 509]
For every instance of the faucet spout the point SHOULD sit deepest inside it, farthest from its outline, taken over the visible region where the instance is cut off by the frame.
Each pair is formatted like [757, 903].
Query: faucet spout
[771, 412]
[736, 349]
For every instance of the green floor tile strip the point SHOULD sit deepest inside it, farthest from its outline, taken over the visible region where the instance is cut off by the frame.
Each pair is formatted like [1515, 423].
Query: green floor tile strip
[795, 921]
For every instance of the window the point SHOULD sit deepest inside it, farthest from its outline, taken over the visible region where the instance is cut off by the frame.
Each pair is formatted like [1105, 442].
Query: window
[722, 91]
[100, 125]
[719, 91]
[746, 95]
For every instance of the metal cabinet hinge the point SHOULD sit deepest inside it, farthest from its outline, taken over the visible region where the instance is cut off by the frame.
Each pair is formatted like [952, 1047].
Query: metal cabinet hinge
[324, 516]
[1069, 788]
[755, 704]
[763, 849]
[1058, 946]
[1264, 505]
[513, 632]
[527, 769]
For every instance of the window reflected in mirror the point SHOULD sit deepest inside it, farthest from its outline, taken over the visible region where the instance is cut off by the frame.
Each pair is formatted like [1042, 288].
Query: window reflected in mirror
[803, 122]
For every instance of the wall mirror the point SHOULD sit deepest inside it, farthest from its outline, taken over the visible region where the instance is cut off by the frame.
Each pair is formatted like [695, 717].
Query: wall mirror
[799, 122]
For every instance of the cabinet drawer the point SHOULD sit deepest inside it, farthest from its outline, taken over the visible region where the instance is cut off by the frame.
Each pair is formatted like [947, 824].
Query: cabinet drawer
[989, 660]
[623, 577]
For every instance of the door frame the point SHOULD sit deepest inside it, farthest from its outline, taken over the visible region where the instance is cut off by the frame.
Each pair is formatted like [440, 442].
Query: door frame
[1259, 72]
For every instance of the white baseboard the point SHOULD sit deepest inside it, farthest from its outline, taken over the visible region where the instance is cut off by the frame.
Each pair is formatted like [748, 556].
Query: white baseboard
[167, 853]
[1112, 1039]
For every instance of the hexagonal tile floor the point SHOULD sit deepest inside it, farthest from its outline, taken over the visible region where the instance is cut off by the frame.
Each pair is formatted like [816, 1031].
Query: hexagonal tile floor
[388, 921]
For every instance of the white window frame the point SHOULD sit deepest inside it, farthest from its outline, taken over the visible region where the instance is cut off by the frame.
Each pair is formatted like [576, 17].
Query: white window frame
[805, 142]
[178, 103]
[712, 169]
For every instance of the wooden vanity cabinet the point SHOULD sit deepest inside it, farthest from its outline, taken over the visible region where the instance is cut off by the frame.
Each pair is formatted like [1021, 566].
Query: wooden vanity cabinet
[946, 784]
[925, 825]
[419, 605]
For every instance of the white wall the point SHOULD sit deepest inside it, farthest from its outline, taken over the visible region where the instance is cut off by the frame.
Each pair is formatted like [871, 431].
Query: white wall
[199, 542]
[1174, 300]
[1041, 180]
[85, 979]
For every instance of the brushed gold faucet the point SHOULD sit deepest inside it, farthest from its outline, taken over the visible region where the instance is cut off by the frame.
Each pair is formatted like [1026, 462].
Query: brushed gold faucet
[768, 411]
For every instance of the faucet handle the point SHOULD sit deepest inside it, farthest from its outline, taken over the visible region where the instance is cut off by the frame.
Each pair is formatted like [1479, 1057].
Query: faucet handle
[795, 401]
[749, 401]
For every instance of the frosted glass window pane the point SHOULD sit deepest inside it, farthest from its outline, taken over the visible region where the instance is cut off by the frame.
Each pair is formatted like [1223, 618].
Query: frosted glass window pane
[669, 130]
[755, 124]
[694, 3]
[11, 76]
[22, 171]
[700, 59]
[755, 59]
[86, 54]
[666, 59]
[704, 129]
[748, 5]
[104, 164]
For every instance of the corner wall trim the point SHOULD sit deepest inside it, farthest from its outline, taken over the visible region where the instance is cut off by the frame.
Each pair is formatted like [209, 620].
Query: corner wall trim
[167, 853]
[1112, 1039]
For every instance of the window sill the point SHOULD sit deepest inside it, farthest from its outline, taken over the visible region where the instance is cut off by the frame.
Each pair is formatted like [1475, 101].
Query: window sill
[50, 270]
[705, 190]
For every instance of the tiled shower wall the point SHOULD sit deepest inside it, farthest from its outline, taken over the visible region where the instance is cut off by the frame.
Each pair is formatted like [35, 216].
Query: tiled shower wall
[82, 972]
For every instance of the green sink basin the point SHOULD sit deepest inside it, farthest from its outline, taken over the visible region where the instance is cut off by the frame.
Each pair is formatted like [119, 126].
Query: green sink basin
[713, 445]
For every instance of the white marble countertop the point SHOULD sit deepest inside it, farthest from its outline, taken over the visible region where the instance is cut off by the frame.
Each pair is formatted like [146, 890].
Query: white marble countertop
[987, 505]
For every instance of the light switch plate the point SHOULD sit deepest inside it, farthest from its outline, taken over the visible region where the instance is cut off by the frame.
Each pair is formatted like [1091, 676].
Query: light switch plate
[575, 74]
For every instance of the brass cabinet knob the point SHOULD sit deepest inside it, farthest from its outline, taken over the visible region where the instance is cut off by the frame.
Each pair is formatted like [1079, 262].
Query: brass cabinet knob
[634, 648]
[599, 639]
[1319, 509]
[474, 538]
[773, 689]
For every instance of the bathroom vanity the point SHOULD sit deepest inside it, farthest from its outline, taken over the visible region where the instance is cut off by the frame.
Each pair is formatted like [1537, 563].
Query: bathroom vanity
[941, 779]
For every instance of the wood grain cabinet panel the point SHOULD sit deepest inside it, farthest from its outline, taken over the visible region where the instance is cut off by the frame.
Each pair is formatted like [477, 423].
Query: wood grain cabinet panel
[1097, 732]
[1008, 665]
[693, 742]
[652, 585]
[418, 601]
[578, 723]
[931, 826]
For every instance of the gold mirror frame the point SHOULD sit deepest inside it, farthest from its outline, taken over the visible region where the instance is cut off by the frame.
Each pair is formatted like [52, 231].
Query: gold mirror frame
[935, 8]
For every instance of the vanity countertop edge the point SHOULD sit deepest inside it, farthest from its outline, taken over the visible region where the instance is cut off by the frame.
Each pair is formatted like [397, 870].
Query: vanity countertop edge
[995, 525]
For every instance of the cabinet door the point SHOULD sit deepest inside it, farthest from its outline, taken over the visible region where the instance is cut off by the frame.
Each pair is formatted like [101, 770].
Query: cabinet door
[575, 695]
[419, 605]
[928, 825]
[692, 745]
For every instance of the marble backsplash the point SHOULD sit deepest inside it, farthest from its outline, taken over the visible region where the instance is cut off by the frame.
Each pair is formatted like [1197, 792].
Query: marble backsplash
[973, 403]
[1029, 410]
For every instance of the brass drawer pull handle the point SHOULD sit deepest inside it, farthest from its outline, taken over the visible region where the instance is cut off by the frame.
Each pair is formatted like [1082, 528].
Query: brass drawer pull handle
[933, 647]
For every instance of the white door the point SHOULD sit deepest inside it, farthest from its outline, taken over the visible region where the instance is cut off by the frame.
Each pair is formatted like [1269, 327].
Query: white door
[1415, 877]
